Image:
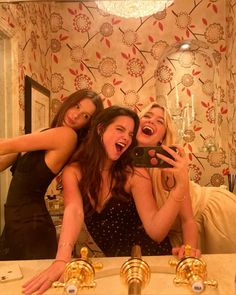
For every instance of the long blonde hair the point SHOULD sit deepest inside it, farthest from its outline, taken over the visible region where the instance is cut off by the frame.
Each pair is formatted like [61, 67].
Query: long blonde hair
[169, 139]
[160, 194]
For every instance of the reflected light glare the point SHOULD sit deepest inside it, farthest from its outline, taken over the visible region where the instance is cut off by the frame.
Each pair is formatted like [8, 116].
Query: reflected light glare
[133, 8]
[185, 46]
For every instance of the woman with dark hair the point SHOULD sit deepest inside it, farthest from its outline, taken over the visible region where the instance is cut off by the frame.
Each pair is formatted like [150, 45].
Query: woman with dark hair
[61, 117]
[29, 232]
[115, 200]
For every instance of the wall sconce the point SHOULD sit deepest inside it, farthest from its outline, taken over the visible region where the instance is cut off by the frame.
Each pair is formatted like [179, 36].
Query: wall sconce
[133, 8]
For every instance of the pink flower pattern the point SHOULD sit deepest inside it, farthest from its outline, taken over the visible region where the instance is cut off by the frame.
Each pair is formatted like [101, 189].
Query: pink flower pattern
[135, 67]
[82, 23]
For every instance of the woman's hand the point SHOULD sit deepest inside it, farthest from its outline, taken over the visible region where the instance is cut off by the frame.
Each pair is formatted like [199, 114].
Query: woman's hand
[43, 281]
[180, 252]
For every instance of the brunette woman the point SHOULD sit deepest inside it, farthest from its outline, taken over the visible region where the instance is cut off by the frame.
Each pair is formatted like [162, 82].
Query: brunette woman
[29, 232]
[114, 200]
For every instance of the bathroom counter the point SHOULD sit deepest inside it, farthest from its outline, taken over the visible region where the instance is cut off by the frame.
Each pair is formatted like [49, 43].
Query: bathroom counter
[220, 267]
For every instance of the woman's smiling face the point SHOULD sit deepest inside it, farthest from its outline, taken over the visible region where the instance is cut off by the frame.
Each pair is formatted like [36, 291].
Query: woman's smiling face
[118, 137]
[152, 127]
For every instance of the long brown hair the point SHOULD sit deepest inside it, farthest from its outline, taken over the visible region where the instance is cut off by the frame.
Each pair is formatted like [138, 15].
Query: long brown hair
[73, 100]
[92, 155]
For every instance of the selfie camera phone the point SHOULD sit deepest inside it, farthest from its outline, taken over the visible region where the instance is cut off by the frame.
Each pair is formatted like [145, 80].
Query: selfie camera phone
[146, 157]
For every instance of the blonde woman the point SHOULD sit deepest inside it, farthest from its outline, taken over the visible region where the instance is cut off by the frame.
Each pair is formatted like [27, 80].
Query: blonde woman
[214, 208]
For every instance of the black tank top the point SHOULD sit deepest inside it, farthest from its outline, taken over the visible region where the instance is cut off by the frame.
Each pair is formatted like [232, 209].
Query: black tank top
[29, 232]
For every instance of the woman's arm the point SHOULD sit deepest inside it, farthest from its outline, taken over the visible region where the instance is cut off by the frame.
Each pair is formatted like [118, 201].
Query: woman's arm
[188, 223]
[49, 139]
[189, 231]
[7, 160]
[73, 213]
[71, 226]
[59, 144]
[158, 223]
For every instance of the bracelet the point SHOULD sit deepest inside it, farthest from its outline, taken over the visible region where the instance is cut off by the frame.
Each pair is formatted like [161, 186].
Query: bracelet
[65, 244]
[179, 200]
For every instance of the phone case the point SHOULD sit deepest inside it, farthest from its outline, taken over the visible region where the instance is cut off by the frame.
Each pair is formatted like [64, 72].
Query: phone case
[10, 273]
[146, 157]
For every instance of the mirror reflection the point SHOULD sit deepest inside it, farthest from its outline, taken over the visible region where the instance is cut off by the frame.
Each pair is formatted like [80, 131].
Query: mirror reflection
[70, 46]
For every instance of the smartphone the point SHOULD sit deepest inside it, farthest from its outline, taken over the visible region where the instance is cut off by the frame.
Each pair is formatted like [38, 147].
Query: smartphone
[146, 157]
[10, 273]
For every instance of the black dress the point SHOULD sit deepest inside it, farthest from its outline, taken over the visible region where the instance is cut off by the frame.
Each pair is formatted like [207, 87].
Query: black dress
[29, 232]
[118, 227]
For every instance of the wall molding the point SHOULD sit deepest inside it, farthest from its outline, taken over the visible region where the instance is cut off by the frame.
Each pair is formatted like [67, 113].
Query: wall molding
[9, 98]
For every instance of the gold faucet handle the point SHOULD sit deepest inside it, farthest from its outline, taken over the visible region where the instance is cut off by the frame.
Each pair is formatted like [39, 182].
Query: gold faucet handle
[58, 284]
[84, 253]
[173, 262]
[97, 265]
[192, 271]
[187, 253]
[187, 250]
[211, 283]
[84, 256]
[79, 274]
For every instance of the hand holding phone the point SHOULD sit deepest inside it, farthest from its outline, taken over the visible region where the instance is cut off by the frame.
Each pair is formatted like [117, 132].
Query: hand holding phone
[146, 157]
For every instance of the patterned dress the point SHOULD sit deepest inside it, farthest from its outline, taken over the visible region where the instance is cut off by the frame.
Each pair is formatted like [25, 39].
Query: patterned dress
[118, 227]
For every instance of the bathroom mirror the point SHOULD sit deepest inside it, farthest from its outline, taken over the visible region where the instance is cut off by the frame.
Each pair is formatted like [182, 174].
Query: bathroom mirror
[66, 45]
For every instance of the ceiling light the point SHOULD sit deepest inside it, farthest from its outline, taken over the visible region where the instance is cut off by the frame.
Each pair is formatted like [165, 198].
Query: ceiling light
[133, 8]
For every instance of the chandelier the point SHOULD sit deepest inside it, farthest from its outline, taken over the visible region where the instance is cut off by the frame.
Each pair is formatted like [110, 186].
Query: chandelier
[133, 8]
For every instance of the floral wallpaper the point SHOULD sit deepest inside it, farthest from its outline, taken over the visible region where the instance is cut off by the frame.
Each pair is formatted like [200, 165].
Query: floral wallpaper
[67, 46]
[30, 22]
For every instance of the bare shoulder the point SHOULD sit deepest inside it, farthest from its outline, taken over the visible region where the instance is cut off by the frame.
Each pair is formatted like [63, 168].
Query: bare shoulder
[73, 169]
[63, 131]
[62, 137]
[141, 172]
[138, 176]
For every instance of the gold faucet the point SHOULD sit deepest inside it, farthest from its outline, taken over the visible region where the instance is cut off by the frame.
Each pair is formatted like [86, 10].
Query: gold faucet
[135, 272]
[192, 271]
[79, 274]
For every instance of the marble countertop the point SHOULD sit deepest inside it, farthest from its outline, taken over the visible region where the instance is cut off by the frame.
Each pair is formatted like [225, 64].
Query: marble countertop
[220, 267]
